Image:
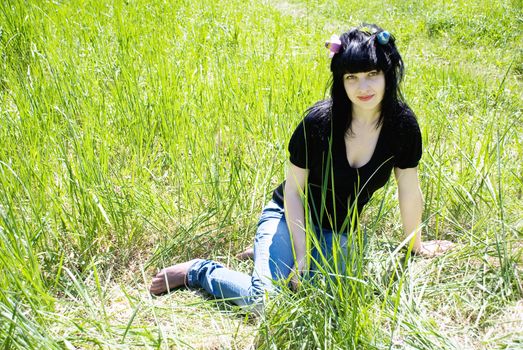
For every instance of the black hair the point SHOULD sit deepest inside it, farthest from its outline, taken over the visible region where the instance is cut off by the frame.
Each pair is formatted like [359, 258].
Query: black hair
[361, 52]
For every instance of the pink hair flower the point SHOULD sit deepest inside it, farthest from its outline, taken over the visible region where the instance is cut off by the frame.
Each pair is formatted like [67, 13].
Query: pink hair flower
[334, 45]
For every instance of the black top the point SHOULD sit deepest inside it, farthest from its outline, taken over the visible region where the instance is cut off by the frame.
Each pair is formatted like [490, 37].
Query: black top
[333, 185]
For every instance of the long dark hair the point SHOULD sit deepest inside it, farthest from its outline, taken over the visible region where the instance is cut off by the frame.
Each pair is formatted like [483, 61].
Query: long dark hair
[361, 52]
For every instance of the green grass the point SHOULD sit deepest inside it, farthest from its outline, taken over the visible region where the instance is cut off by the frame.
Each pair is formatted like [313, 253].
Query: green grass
[136, 134]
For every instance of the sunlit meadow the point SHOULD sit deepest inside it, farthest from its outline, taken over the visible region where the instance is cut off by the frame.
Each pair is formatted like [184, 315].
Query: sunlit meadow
[136, 134]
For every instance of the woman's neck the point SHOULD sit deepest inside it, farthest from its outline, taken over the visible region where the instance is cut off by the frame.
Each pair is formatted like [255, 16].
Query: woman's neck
[365, 118]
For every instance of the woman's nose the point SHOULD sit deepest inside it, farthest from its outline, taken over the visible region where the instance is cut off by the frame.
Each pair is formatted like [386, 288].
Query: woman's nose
[363, 84]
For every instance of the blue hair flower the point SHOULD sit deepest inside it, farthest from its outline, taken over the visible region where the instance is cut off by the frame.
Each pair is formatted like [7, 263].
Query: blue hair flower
[383, 37]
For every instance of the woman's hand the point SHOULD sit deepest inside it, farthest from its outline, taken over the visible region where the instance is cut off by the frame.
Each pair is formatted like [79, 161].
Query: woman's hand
[295, 281]
[430, 249]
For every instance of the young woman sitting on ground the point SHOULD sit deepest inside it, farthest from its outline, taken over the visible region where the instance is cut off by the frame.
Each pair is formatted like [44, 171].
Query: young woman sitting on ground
[343, 150]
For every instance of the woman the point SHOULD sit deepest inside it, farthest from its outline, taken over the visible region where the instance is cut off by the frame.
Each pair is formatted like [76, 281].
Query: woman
[342, 152]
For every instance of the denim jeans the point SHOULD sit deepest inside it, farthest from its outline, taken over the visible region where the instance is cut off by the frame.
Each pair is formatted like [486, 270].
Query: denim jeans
[273, 261]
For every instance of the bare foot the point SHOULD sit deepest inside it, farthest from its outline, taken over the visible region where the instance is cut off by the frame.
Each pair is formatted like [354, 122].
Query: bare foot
[170, 277]
[247, 254]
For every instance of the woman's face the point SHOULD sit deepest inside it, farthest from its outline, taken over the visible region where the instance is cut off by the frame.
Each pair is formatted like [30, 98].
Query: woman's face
[365, 90]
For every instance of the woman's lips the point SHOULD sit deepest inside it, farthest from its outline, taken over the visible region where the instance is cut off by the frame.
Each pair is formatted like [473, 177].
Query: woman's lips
[365, 98]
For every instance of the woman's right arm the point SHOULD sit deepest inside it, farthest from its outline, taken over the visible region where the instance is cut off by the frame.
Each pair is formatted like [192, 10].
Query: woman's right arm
[294, 211]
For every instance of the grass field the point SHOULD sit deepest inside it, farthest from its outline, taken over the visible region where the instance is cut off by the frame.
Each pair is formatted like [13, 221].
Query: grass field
[135, 134]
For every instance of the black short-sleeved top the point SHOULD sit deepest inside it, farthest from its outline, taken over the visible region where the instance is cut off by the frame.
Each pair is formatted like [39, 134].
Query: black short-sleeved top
[334, 187]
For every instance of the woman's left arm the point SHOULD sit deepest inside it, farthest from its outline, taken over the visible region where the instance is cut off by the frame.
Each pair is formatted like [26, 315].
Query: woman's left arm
[411, 203]
[411, 208]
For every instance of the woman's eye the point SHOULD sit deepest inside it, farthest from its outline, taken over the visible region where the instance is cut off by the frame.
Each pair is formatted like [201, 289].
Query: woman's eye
[373, 73]
[350, 77]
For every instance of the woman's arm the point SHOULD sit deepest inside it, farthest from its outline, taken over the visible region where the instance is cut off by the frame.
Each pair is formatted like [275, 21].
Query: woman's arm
[294, 211]
[411, 208]
[411, 204]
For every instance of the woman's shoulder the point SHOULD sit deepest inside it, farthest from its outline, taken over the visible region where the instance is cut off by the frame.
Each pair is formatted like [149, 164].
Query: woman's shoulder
[308, 139]
[316, 120]
[404, 121]
[405, 139]
[318, 112]
[318, 117]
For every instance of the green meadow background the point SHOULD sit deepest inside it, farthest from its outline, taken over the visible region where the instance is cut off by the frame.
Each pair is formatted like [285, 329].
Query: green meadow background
[136, 134]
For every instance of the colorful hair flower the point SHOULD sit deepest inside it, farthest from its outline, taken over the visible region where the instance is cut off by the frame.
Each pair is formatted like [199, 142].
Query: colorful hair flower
[334, 45]
[383, 37]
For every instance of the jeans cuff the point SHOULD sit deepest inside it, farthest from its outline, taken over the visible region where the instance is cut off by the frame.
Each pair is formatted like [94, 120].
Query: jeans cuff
[192, 273]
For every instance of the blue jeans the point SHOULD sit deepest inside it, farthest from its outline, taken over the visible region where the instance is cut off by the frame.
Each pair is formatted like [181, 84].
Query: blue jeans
[273, 261]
